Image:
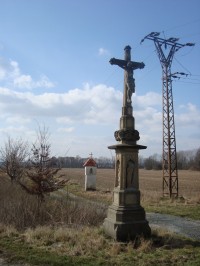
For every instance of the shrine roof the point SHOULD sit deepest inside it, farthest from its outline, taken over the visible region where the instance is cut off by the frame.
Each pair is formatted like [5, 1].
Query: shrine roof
[90, 162]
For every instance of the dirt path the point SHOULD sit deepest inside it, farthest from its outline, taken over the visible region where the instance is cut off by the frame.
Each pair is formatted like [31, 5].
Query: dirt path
[182, 226]
[175, 224]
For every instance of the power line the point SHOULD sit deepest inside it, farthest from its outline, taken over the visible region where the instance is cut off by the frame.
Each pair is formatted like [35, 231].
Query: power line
[183, 25]
[188, 78]
[169, 162]
[177, 75]
[109, 76]
[190, 35]
[182, 65]
[195, 83]
[195, 75]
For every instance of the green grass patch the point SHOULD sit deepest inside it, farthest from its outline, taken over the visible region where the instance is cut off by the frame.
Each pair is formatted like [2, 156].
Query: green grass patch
[96, 195]
[16, 250]
[89, 246]
[177, 209]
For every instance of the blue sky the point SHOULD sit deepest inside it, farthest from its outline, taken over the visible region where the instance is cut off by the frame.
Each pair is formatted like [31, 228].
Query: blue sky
[54, 69]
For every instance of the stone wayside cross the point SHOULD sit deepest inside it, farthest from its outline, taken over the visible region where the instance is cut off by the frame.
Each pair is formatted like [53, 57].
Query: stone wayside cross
[127, 130]
[129, 81]
[126, 218]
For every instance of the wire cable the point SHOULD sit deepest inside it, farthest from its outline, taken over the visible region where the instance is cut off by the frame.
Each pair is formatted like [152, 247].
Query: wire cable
[182, 25]
[182, 65]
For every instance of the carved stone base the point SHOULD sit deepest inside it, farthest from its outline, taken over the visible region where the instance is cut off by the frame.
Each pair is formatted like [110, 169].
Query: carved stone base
[124, 224]
[127, 135]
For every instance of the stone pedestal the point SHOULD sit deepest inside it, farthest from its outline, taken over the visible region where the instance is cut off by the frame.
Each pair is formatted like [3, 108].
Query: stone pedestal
[124, 224]
[126, 219]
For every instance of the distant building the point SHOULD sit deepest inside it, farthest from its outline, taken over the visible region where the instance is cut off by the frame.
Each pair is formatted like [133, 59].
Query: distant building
[90, 174]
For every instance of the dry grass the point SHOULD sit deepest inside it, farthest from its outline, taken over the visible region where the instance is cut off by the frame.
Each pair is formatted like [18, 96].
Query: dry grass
[189, 183]
[66, 230]
[80, 241]
[90, 242]
[20, 210]
[150, 183]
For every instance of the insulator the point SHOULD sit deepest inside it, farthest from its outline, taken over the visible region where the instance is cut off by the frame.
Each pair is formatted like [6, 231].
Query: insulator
[190, 44]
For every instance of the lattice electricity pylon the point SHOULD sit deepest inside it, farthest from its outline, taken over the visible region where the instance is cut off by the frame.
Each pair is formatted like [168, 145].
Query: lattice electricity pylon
[169, 161]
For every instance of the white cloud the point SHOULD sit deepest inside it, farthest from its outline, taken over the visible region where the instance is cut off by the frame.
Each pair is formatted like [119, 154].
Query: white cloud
[14, 70]
[5, 68]
[189, 116]
[2, 73]
[98, 104]
[66, 129]
[44, 82]
[10, 72]
[91, 114]
[26, 82]
[16, 131]
[63, 120]
[23, 81]
[149, 119]
[103, 51]
[19, 120]
[149, 99]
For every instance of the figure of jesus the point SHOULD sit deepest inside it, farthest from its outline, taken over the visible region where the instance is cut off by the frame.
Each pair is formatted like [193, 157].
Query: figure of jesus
[128, 66]
[130, 83]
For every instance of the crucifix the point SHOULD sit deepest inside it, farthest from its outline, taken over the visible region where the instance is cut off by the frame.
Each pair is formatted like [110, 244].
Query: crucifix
[126, 218]
[129, 81]
[127, 132]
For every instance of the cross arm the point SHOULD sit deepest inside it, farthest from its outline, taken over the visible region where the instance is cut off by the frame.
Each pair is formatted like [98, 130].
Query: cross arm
[135, 65]
[126, 64]
[119, 62]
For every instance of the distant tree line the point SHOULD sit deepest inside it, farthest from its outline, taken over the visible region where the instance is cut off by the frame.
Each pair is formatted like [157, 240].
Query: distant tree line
[186, 160]
[78, 162]
[14, 154]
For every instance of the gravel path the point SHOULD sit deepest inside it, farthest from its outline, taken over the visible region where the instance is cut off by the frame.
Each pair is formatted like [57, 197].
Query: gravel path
[183, 226]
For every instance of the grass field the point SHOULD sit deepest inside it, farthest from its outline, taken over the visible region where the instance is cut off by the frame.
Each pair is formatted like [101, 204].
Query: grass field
[71, 234]
[187, 205]
[64, 246]
[150, 181]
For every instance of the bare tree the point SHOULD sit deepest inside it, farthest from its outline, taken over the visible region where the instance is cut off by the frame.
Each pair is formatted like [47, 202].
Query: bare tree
[13, 158]
[196, 164]
[153, 162]
[42, 177]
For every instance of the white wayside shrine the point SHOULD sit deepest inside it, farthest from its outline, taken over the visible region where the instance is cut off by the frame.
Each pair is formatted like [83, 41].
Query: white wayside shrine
[90, 174]
[126, 218]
